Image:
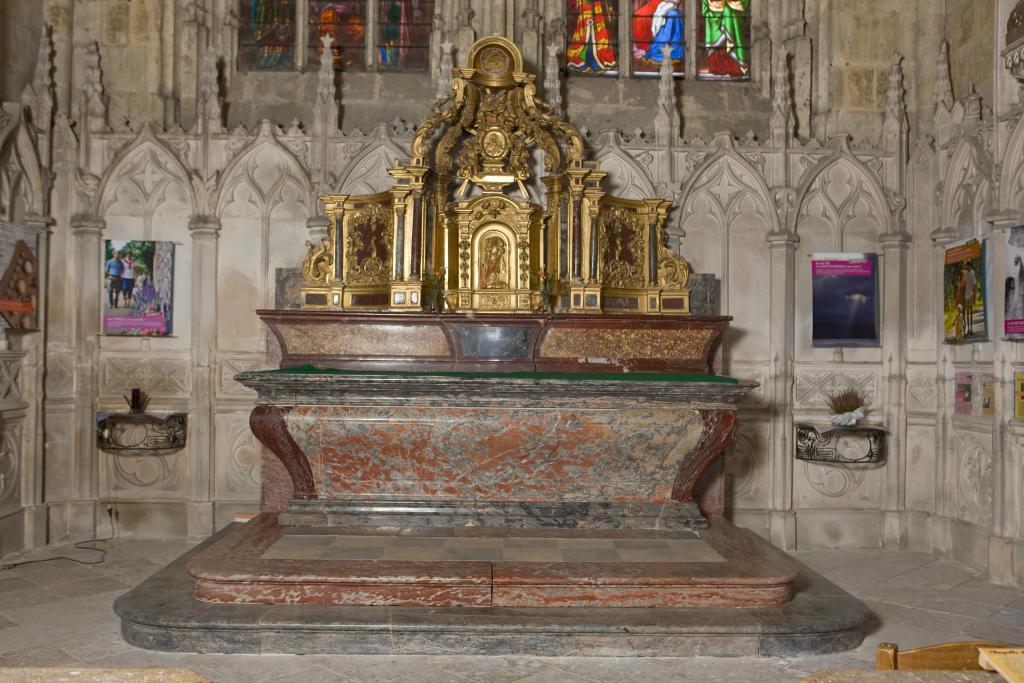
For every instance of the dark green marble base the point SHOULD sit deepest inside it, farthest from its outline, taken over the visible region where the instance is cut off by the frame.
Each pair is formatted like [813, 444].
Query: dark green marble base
[161, 614]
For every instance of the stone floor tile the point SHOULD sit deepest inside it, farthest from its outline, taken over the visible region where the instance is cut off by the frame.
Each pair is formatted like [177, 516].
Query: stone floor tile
[516, 670]
[7, 623]
[28, 598]
[103, 584]
[37, 656]
[986, 593]
[398, 669]
[314, 674]
[249, 668]
[938, 575]
[1010, 617]
[14, 583]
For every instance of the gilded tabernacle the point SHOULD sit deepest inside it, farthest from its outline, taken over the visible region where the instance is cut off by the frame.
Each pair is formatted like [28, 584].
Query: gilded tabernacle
[459, 228]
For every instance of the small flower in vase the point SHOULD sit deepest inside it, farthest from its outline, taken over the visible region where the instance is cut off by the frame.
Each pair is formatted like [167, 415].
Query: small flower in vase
[847, 407]
[433, 290]
[548, 287]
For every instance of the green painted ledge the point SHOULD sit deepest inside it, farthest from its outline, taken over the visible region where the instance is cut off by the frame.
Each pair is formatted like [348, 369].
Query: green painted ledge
[572, 376]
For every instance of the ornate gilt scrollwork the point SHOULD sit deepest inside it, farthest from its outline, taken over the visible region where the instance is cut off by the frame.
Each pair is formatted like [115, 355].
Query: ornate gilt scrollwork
[319, 264]
[673, 271]
[452, 214]
[622, 246]
[368, 247]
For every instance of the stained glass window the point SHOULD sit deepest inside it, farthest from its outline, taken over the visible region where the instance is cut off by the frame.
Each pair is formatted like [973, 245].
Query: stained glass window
[723, 34]
[592, 33]
[657, 24]
[345, 22]
[266, 34]
[403, 37]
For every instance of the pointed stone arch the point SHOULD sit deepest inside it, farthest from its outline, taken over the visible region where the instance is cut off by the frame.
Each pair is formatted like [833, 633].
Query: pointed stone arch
[726, 214]
[627, 178]
[841, 189]
[741, 181]
[269, 169]
[22, 174]
[1011, 181]
[367, 172]
[150, 167]
[967, 198]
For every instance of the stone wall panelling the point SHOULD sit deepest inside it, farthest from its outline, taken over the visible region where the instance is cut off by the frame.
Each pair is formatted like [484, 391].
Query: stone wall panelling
[10, 468]
[922, 390]
[157, 376]
[973, 480]
[230, 365]
[237, 459]
[149, 476]
[814, 384]
[837, 485]
[747, 470]
[921, 466]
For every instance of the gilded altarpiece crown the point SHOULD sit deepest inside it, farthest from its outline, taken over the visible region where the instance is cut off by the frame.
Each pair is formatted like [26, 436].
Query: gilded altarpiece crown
[453, 211]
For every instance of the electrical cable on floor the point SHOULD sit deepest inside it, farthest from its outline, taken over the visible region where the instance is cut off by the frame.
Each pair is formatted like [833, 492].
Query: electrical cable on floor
[78, 546]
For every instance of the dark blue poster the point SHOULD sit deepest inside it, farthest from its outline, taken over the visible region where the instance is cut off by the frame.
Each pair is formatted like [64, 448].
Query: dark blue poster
[845, 300]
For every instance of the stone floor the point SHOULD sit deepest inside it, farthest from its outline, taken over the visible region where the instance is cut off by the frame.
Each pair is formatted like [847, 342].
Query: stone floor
[59, 613]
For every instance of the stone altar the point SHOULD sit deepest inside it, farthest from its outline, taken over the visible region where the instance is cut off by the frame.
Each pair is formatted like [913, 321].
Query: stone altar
[494, 479]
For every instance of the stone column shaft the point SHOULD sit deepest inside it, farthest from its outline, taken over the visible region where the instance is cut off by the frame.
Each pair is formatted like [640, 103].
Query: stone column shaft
[205, 231]
[779, 389]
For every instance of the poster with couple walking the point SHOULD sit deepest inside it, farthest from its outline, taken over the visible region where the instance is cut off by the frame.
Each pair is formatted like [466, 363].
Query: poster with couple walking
[965, 311]
[138, 288]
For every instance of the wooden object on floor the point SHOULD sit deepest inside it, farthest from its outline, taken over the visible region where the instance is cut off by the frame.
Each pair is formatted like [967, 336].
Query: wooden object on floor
[862, 676]
[1008, 661]
[962, 656]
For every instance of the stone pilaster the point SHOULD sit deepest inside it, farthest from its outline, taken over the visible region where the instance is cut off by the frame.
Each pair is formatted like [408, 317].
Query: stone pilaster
[71, 510]
[205, 231]
[895, 248]
[32, 386]
[779, 389]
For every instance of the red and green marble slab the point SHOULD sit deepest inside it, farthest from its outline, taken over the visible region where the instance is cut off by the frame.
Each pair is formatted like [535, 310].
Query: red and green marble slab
[752, 574]
[629, 454]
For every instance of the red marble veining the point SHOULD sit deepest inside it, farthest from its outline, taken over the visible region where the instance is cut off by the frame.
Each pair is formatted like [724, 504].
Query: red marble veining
[753, 575]
[641, 596]
[514, 454]
[276, 489]
[314, 593]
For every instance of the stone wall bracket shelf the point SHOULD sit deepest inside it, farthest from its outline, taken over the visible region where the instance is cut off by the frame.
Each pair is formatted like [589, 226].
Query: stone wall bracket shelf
[841, 445]
[142, 433]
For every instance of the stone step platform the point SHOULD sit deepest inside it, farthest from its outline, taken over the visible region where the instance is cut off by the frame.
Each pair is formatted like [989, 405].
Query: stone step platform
[163, 614]
[267, 563]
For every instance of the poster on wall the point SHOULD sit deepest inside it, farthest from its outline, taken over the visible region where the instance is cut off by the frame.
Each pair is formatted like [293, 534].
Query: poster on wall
[974, 395]
[988, 395]
[138, 288]
[965, 313]
[844, 299]
[1013, 287]
[18, 282]
[1018, 395]
[963, 393]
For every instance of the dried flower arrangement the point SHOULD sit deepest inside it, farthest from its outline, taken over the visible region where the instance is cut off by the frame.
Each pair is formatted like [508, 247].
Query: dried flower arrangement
[847, 407]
